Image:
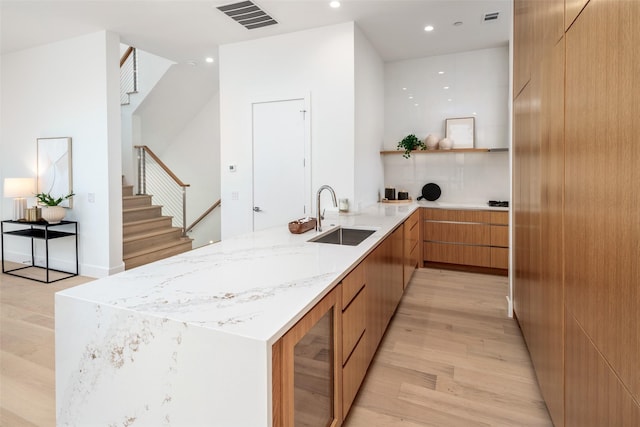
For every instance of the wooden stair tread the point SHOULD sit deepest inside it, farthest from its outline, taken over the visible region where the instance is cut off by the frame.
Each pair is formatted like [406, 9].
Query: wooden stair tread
[151, 233]
[158, 248]
[146, 221]
[136, 196]
[141, 208]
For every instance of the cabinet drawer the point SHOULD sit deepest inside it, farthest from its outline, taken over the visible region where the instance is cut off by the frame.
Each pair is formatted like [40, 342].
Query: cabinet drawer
[353, 373]
[473, 234]
[352, 284]
[354, 321]
[413, 236]
[500, 236]
[499, 218]
[414, 256]
[500, 258]
[457, 254]
[412, 221]
[411, 263]
[457, 215]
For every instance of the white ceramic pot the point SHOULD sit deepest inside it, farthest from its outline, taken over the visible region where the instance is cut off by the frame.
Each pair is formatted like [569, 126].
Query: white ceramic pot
[431, 141]
[446, 144]
[53, 214]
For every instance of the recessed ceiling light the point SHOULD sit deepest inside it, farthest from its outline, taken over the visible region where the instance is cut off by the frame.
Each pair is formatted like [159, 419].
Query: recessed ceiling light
[335, 4]
[440, 72]
[428, 28]
[474, 113]
[209, 59]
[404, 88]
[457, 23]
[415, 105]
[449, 99]
[445, 88]
[410, 96]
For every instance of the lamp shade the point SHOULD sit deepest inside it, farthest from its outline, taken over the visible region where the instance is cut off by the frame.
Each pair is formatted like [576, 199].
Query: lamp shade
[18, 187]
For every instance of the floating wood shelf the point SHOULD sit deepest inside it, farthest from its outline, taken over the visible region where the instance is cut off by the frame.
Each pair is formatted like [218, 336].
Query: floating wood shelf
[453, 150]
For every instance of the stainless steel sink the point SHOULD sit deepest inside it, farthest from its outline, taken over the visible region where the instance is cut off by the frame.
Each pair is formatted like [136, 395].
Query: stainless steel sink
[344, 236]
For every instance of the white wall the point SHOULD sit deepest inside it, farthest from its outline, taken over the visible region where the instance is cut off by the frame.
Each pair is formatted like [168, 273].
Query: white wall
[463, 177]
[317, 62]
[69, 88]
[478, 83]
[194, 156]
[369, 123]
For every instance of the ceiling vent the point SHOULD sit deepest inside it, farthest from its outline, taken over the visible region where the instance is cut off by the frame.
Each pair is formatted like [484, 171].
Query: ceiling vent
[248, 15]
[490, 17]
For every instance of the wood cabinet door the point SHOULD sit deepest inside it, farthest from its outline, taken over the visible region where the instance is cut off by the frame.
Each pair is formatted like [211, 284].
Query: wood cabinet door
[601, 210]
[384, 267]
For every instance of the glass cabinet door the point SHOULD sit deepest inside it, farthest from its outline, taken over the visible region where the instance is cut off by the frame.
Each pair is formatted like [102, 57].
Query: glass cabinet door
[313, 375]
[306, 374]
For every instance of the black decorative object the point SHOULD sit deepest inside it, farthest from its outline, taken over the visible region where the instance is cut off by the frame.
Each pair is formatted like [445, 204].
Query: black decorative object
[430, 192]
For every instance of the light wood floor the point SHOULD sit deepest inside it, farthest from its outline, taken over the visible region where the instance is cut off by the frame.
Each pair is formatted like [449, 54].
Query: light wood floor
[27, 387]
[450, 358]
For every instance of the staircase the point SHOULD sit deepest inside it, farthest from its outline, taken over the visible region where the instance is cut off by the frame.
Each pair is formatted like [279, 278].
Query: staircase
[147, 235]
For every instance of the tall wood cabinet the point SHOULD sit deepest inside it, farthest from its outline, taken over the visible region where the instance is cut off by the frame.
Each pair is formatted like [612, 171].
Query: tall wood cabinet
[576, 209]
[602, 209]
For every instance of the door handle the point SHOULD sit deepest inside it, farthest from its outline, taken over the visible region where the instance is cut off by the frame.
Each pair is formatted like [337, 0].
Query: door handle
[257, 209]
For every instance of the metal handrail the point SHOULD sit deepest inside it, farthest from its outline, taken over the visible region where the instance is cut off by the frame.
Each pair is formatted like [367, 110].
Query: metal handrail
[165, 184]
[204, 215]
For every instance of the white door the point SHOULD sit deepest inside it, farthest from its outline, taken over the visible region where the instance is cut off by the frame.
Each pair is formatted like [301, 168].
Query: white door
[280, 178]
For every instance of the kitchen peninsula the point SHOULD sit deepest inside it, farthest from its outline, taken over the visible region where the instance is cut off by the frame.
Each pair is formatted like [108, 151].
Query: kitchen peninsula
[188, 340]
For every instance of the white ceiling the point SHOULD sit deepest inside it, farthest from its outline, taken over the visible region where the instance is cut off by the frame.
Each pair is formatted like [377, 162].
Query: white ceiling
[190, 30]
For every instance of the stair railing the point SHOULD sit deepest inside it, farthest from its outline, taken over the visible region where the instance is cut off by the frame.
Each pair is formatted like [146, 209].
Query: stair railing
[155, 178]
[204, 215]
[128, 74]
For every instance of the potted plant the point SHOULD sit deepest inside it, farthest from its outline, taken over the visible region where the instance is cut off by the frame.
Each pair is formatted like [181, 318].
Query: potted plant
[410, 143]
[51, 211]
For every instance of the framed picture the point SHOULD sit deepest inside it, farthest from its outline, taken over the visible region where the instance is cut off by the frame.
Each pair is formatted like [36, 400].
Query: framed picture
[462, 131]
[54, 168]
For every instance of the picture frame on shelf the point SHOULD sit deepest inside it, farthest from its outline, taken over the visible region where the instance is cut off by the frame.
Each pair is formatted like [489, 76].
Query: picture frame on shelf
[54, 168]
[462, 130]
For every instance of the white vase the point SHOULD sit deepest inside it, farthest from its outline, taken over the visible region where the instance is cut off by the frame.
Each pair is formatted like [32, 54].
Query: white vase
[446, 144]
[53, 214]
[431, 141]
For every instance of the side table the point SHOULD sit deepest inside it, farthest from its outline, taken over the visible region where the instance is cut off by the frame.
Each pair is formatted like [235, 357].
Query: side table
[40, 230]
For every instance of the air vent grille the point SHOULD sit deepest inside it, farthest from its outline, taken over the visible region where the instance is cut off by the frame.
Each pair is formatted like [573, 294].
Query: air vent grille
[248, 15]
[489, 17]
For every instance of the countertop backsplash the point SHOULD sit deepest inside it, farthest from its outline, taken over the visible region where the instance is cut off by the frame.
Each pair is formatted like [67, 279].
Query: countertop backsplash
[463, 177]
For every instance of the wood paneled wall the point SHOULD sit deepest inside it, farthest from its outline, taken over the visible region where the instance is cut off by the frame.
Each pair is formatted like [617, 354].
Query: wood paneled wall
[577, 206]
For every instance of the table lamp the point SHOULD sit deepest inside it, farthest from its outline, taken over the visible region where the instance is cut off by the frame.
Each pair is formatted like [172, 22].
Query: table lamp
[18, 189]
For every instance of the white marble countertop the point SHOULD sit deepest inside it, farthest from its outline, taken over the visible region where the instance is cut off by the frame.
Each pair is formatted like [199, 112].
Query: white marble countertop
[255, 285]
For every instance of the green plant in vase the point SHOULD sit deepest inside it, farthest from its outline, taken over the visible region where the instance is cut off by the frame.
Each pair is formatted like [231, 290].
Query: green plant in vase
[47, 199]
[410, 143]
[51, 211]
